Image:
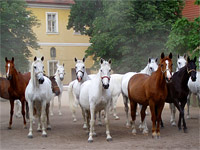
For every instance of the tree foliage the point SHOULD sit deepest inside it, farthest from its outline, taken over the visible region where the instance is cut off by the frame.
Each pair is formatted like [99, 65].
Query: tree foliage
[131, 31]
[185, 36]
[17, 36]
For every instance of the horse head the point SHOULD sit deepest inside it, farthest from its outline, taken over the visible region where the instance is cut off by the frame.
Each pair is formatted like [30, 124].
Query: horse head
[191, 68]
[181, 61]
[38, 69]
[80, 69]
[152, 65]
[105, 73]
[10, 66]
[60, 71]
[166, 66]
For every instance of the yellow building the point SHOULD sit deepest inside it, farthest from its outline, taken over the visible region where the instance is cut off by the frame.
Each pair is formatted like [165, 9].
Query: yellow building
[58, 45]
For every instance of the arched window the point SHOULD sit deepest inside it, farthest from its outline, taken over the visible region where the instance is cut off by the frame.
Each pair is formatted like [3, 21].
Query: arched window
[53, 52]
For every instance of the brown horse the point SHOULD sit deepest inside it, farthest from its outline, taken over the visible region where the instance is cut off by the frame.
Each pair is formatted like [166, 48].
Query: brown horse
[4, 85]
[150, 90]
[16, 90]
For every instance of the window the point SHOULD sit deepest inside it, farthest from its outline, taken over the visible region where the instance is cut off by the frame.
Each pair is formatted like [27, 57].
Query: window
[52, 67]
[52, 22]
[53, 52]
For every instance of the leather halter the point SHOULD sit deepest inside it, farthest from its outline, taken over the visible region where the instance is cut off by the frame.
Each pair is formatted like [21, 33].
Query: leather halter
[105, 77]
[80, 71]
[190, 70]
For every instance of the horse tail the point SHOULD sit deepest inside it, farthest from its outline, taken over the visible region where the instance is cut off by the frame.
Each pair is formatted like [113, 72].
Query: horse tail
[71, 97]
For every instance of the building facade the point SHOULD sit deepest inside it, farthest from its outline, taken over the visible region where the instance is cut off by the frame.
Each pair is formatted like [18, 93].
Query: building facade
[58, 45]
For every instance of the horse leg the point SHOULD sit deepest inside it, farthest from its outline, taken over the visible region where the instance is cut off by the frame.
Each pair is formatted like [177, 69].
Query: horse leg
[108, 137]
[30, 105]
[173, 112]
[51, 106]
[47, 113]
[84, 119]
[184, 123]
[153, 118]
[43, 118]
[18, 108]
[143, 120]
[11, 113]
[158, 118]
[92, 113]
[59, 104]
[125, 100]
[188, 105]
[114, 107]
[133, 115]
[99, 119]
[23, 101]
[27, 111]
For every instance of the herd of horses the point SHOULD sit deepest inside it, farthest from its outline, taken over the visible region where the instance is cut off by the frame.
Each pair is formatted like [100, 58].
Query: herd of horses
[153, 86]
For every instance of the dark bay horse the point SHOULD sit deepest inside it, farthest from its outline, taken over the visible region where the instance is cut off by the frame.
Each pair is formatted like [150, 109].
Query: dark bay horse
[150, 90]
[178, 89]
[16, 90]
[4, 85]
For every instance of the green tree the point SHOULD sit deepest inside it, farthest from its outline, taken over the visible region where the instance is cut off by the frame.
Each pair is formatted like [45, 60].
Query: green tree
[131, 31]
[17, 36]
[185, 36]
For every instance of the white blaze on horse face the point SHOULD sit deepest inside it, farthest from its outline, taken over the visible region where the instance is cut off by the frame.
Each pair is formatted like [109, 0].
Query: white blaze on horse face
[181, 62]
[8, 71]
[167, 69]
[80, 69]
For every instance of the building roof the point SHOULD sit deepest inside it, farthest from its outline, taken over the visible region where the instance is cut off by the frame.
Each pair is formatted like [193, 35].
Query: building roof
[191, 10]
[51, 2]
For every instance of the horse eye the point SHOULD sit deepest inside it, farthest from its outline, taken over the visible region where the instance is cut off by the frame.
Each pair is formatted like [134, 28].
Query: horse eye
[76, 67]
[179, 63]
[101, 70]
[83, 67]
[110, 70]
[34, 67]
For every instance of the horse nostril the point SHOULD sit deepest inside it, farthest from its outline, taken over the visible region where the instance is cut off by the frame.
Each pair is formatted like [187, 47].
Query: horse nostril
[41, 80]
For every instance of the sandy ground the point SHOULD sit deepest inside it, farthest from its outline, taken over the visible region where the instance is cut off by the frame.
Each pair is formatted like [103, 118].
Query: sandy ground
[66, 134]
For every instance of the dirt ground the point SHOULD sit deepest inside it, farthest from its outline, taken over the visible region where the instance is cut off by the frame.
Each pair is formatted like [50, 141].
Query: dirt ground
[66, 134]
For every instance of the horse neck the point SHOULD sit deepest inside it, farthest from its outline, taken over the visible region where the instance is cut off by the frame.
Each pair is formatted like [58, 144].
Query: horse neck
[98, 81]
[145, 70]
[15, 79]
[34, 82]
[184, 76]
[58, 81]
[159, 78]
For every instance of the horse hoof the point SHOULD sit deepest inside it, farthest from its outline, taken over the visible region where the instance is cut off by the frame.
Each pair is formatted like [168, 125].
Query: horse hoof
[39, 130]
[30, 136]
[100, 124]
[128, 125]
[116, 118]
[74, 120]
[9, 128]
[173, 124]
[109, 139]
[84, 126]
[25, 127]
[48, 128]
[44, 135]
[51, 114]
[90, 141]
[154, 135]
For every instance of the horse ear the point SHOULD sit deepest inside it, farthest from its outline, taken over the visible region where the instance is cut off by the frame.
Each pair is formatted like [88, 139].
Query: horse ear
[170, 55]
[75, 59]
[156, 59]
[195, 58]
[83, 59]
[13, 59]
[6, 59]
[109, 61]
[185, 56]
[188, 59]
[35, 58]
[42, 59]
[162, 55]
[149, 60]
[178, 56]
[101, 60]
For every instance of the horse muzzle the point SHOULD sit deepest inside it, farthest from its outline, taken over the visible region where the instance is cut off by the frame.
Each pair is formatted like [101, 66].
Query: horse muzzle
[106, 86]
[193, 78]
[79, 79]
[41, 80]
[9, 77]
[61, 79]
[168, 80]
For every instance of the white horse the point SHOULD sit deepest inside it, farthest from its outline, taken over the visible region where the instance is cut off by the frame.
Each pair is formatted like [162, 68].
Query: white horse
[149, 69]
[38, 93]
[74, 88]
[59, 77]
[96, 96]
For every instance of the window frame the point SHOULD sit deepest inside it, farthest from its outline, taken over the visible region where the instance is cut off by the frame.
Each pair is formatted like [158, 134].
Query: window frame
[56, 17]
[48, 64]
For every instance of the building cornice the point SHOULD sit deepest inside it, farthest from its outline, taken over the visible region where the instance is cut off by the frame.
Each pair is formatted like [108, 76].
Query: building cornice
[65, 44]
[52, 6]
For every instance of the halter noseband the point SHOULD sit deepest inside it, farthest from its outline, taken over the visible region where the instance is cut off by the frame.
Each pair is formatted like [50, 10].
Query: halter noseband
[190, 70]
[105, 77]
[80, 71]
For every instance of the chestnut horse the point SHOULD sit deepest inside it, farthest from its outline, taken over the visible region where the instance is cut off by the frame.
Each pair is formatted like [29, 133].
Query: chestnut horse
[5, 84]
[150, 90]
[16, 90]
